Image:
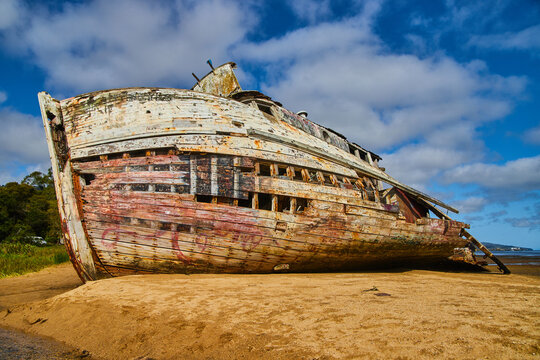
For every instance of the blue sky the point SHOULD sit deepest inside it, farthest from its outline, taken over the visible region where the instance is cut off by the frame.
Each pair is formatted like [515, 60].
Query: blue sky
[447, 92]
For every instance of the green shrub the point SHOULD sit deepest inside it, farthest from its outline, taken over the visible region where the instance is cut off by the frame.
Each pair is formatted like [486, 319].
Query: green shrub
[18, 259]
[17, 249]
[61, 257]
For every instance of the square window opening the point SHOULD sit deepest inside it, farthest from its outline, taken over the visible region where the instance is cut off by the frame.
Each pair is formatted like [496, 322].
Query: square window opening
[264, 170]
[204, 198]
[163, 188]
[265, 201]
[246, 202]
[139, 187]
[301, 204]
[284, 203]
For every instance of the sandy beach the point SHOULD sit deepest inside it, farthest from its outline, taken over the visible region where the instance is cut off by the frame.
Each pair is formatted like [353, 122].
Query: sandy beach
[401, 314]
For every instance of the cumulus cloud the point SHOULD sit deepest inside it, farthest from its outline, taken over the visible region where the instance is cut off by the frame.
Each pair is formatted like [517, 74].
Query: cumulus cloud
[22, 138]
[526, 39]
[443, 149]
[387, 99]
[10, 11]
[471, 204]
[23, 148]
[496, 215]
[309, 41]
[525, 222]
[103, 44]
[422, 112]
[311, 10]
[521, 174]
[532, 136]
[532, 221]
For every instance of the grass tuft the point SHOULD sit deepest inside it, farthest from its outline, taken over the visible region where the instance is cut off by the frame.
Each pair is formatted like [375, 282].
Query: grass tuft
[18, 259]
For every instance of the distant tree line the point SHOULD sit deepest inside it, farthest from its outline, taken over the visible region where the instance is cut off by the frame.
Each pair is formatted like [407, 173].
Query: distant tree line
[29, 209]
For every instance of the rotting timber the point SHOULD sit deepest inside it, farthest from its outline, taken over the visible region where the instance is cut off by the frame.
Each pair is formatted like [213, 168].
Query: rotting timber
[217, 179]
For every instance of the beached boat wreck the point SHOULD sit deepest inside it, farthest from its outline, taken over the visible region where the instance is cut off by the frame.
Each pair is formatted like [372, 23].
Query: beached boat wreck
[218, 179]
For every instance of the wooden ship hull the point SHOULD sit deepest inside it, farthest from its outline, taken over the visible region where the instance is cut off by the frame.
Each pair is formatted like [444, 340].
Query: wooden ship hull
[216, 179]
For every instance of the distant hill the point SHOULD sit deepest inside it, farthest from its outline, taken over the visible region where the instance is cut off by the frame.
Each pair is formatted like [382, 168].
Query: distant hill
[500, 247]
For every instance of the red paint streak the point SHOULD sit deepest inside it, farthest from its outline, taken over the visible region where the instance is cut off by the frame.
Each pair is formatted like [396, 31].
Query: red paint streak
[116, 231]
[176, 248]
[248, 242]
[158, 233]
[117, 235]
[202, 242]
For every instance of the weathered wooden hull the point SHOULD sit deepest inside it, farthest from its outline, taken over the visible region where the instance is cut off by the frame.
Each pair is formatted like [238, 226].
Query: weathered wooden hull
[165, 180]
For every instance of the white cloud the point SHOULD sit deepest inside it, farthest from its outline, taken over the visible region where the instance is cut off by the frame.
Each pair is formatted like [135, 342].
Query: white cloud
[519, 175]
[472, 15]
[526, 39]
[531, 221]
[422, 112]
[416, 165]
[311, 10]
[22, 138]
[524, 222]
[471, 204]
[10, 11]
[309, 41]
[532, 136]
[417, 43]
[443, 149]
[23, 148]
[15, 171]
[3, 97]
[103, 44]
[385, 100]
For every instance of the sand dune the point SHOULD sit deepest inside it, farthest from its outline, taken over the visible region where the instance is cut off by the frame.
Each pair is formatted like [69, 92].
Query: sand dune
[378, 315]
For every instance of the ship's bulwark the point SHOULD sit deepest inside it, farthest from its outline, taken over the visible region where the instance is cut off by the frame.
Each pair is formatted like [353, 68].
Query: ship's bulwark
[167, 231]
[165, 180]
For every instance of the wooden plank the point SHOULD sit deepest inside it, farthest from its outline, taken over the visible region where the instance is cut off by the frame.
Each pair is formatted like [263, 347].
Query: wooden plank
[259, 126]
[313, 190]
[346, 227]
[75, 240]
[106, 228]
[201, 266]
[230, 145]
[305, 236]
[363, 215]
[359, 166]
[110, 122]
[182, 206]
[141, 177]
[486, 251]
[193, 174]
[327, 250]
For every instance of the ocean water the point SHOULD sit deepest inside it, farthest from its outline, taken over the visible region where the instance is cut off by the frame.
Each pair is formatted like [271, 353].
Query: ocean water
[533, 253]
[528, 258]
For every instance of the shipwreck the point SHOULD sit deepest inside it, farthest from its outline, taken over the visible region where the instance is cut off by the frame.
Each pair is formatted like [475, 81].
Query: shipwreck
[218, 179]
